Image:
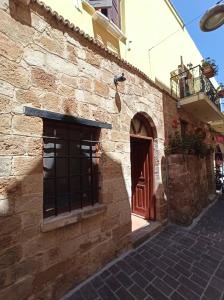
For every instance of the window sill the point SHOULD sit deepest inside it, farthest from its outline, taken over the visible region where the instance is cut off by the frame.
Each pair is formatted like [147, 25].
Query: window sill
[108, 25]
[76, 216]
[88, 7]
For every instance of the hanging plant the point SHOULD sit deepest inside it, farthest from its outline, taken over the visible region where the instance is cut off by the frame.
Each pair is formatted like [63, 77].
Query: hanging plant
[220, 90]
[188, 144]
[209, 67]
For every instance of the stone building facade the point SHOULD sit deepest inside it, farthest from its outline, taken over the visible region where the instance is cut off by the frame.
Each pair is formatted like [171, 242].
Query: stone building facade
[53, 72]
[48, 65]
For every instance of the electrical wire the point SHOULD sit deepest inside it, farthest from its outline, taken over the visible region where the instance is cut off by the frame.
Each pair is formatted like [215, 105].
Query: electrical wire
[185, 25]
[168, 36]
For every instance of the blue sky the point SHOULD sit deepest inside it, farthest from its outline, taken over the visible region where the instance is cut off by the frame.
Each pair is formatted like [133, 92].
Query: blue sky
[211, 43]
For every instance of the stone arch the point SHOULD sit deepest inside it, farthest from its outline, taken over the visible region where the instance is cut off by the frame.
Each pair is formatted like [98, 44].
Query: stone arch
[144, 120]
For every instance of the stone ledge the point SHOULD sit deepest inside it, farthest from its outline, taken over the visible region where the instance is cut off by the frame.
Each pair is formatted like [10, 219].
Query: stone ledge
[76, 216]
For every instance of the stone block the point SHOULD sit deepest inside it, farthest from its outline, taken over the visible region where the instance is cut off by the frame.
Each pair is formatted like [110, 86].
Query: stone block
[5, 278]
[5, 166]
[28, 203]
[51, 62]
[27, 266]
[9, 48]
[10, 187]
[71, 54]
[32, 184]
[65, 90]
[34, 146]
[13, 73]
[70, 81]
[32, 218]
[5, 123]
[21, 33]
[51, 101]
[27, 97]
[22, 289]
[38, 23]
[12, 145]
[121, 231]
[50, 44]
[5, 104]
[10, 257]
[26, 125]
[85, 84]
[39, 244]
[101, 88]
[43, 80]
[8, 226]
[6, 89]
[27, 165]
[93, 58]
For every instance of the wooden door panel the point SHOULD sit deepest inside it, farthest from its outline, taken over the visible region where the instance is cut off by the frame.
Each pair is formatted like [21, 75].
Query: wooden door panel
[140, 169]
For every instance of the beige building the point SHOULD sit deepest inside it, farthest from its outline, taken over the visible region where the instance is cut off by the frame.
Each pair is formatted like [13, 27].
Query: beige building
[82, 149]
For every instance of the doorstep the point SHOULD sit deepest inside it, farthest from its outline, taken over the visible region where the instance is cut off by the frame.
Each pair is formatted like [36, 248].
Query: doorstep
[140, 235]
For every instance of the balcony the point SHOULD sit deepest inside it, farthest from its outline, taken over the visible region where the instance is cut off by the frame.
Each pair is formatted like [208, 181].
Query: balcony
[196, 94]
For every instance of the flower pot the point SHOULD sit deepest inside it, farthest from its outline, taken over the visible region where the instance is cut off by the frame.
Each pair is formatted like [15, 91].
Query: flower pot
[220, 93]
[208, 71]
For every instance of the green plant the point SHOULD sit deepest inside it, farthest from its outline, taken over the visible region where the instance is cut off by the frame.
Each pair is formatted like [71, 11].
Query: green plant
[188, 144]
[220, 87]
[220, 90]
[208, 62]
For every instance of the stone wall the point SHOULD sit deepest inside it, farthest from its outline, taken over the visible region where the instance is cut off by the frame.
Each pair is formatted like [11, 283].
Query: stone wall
[46, 65]
[189, 179]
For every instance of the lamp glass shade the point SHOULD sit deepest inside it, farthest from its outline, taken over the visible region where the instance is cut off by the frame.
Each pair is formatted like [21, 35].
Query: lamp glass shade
[213, 18]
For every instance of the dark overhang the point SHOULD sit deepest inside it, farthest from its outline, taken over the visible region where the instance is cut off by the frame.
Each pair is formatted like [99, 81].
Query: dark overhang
[30, 111]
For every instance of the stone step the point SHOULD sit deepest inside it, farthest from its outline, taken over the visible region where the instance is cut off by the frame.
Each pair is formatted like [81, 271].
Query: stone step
[142, 234]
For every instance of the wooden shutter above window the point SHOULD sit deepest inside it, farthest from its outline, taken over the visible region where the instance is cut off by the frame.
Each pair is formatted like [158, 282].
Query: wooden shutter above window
[114, 12]
[101, 3]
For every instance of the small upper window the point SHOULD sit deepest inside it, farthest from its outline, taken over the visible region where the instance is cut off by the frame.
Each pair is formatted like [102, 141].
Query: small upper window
[70, 160]
[110, 8]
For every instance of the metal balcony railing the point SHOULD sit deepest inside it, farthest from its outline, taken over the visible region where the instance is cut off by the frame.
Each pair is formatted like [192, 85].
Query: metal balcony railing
[191, 82]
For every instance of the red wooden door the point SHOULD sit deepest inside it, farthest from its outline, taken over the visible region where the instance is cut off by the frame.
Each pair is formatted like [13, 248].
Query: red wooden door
[140, 172]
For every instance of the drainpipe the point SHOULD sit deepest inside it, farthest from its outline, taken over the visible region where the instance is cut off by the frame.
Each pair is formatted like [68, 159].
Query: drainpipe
[167, 189]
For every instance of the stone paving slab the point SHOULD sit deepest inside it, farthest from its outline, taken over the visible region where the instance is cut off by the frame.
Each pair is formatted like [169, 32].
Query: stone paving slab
[177, 264]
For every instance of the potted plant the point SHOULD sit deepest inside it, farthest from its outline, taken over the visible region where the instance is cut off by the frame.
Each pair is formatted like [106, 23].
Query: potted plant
[209, 67]
[220, 90]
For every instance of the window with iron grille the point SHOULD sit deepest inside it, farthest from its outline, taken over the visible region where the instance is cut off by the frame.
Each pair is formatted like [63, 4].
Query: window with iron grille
[70, 161]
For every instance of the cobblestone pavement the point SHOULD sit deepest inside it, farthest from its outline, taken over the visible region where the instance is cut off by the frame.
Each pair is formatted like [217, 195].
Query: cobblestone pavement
[176, 264]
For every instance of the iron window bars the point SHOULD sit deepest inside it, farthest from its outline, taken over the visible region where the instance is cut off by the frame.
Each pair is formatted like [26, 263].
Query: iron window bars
[71, 156]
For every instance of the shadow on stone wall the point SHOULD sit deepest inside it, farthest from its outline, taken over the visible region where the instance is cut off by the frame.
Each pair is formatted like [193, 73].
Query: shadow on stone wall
[45, 265]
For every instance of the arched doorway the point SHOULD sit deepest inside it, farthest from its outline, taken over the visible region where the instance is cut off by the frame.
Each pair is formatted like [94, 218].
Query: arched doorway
[141, 138]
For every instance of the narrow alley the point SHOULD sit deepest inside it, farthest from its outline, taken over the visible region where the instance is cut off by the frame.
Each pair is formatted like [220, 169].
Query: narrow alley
[176, 264]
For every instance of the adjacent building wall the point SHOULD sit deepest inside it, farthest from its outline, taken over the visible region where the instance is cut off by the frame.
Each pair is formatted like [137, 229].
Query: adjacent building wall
[190, 181]
[46, 65]
[189, 186]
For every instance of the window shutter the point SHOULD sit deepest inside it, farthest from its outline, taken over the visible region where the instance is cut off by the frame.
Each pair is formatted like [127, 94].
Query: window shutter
[101, 3]
[114, 12]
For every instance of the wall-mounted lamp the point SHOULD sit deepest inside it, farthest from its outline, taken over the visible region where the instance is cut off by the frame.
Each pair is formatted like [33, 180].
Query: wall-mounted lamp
[213, 18]
[119, 78]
